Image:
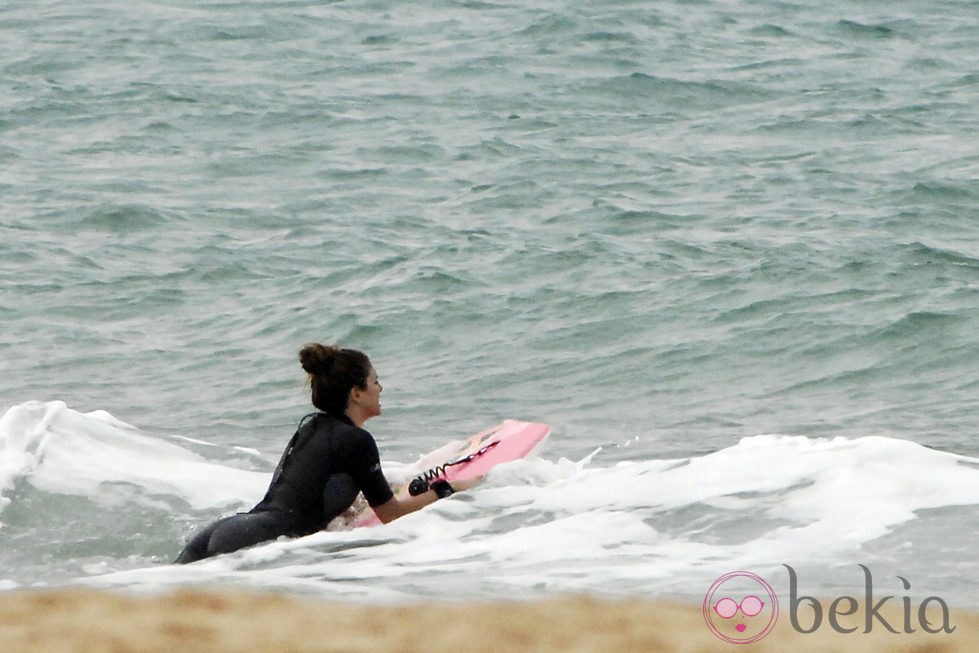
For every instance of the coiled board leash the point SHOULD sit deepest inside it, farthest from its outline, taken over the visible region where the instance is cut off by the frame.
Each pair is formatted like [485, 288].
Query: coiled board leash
[421, 483]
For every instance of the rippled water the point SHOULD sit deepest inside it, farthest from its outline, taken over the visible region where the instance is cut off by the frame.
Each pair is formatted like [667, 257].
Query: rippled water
[659, 227]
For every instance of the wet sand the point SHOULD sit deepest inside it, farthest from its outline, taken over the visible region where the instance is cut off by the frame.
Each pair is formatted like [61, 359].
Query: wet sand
[70, 621]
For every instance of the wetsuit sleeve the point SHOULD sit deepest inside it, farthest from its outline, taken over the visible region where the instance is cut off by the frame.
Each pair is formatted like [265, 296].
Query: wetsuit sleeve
[367, 471]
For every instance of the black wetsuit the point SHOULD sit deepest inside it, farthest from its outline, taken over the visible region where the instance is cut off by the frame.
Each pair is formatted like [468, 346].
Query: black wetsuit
[323, 467]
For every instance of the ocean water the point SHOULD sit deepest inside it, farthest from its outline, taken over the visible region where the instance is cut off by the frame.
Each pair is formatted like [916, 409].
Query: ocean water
[727, 249]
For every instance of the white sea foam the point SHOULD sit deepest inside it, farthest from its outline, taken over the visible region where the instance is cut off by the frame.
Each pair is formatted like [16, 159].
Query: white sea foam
[62, 451]
[534, 526]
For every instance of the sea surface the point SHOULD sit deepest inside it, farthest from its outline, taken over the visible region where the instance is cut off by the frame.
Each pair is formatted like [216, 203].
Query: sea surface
[728, 250]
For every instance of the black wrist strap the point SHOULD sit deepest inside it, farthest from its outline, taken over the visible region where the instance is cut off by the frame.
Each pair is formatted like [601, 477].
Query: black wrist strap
[442, 488]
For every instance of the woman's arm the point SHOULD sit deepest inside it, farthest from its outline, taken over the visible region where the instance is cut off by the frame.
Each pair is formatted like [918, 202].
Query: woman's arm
[399, 507]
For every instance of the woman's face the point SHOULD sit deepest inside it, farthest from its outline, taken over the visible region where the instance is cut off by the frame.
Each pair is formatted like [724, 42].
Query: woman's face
[368, 399]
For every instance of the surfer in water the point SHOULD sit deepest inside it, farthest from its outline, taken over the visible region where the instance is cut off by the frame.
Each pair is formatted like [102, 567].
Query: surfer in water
[326, 463]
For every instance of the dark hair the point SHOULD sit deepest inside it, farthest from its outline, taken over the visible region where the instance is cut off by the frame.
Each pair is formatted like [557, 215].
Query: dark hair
[333, 372]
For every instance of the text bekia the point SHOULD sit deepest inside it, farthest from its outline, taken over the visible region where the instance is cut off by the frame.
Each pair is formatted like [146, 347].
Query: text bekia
[845, 606]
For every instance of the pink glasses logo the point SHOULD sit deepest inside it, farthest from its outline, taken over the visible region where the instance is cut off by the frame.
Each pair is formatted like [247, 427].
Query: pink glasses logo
[740, 608]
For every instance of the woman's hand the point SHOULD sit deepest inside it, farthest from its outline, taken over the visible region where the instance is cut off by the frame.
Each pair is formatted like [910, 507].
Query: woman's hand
[395, 507]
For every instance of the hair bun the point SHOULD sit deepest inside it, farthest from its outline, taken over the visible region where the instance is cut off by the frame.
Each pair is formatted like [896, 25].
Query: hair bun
[316, 358]
[333, 371]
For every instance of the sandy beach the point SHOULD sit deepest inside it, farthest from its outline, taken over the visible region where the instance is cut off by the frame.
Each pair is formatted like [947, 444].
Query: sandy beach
[69, 621]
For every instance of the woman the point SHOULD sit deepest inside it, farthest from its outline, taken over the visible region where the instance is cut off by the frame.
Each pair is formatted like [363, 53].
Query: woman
[326, 463]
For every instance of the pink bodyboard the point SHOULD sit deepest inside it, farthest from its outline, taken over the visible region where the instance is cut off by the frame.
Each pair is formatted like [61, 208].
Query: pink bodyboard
[505, 442]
